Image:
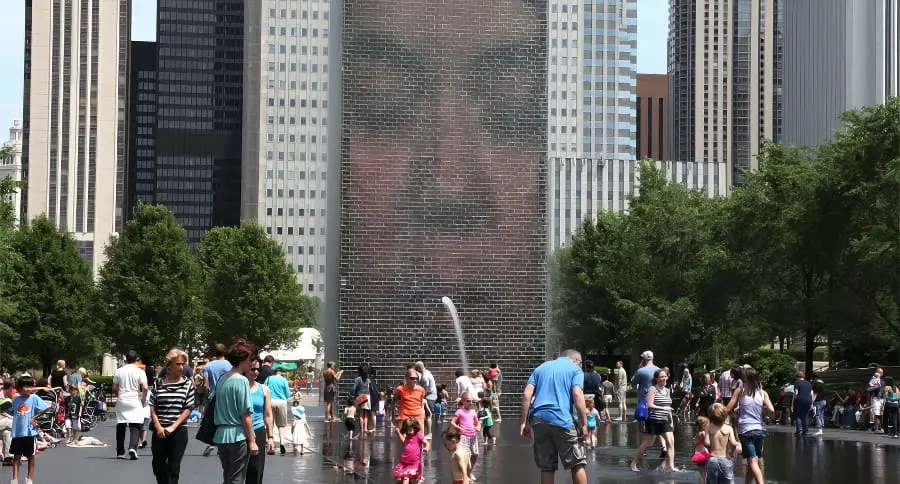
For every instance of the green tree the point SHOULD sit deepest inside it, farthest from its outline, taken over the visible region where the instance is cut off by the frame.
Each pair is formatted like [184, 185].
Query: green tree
[249, 289]
[55, 313]
[10, 277]
[149, 285]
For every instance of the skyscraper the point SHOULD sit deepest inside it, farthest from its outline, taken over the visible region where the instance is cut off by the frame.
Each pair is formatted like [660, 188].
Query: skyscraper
[443, 179]
[725, 80]
[285, 130]
[200, 50]
[141, 170]
[592, 113]
[652, 116]
[75, 119]
[839, 55]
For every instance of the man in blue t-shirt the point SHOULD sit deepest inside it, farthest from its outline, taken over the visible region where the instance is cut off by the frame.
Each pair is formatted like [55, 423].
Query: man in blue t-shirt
[281, 392]
[556, 386]
[642, 379]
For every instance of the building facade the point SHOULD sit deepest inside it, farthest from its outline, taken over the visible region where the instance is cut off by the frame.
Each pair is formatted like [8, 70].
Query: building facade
[725, 80]
[11, 168]
[585, 187]
[839, 55]
[199, 112]
[141, 170]
[75, 117]
[286, 130]
[443, 180]
[652, 118]
[592, 80]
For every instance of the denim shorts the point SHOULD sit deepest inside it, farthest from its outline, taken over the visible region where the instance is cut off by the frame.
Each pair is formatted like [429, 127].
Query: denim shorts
[752, 443]
[719, 470]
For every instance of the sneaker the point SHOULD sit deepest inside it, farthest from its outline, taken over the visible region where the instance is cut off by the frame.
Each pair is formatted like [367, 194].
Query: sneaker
[879, 431]
[29, 481]
[143, 445]
[498, 419]
[132, 454]
[208, 451]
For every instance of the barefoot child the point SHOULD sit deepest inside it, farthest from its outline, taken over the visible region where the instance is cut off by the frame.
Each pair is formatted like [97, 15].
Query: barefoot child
[300, 430]
[466, 422]
[487, 421]
[409, 469]
[701, 453]
[593, 416]
[350, 418]
[722, 446]
[26, 408]
[460, 461]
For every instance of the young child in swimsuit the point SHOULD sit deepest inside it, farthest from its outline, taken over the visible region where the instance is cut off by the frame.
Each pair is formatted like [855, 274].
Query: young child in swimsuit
[722, 445]
[701, 453]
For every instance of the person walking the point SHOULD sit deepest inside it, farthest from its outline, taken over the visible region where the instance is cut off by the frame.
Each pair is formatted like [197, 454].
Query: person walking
[819, 402]
[234, 435]
[280, 391]
[621, 381]
[266, 370]
[362, 394]
[212, 372]
[263, 423]
[802, 404]
[409, 400]
[171, 401]
[891, 408]
[331, 379]
[753, 400]
[556, 386]
[494, 377]
[427, 381]
[130, 384]
[659, 424]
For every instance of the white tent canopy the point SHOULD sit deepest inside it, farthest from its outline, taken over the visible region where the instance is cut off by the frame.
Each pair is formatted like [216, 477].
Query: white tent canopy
[304, 349]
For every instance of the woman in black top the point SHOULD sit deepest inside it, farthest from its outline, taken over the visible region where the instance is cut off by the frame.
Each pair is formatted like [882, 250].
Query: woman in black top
[171, 401]
[58, 377]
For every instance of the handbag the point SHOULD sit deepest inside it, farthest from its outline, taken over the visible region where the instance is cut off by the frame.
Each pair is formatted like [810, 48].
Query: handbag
[207, 429]
[361, 399]
[641, 411]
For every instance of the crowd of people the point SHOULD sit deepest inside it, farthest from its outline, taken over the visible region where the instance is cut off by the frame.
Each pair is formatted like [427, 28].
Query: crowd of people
[245, 402]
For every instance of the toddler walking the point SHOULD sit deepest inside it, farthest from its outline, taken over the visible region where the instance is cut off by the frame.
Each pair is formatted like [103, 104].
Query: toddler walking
[487, 421]
[409, 469]
[701, 453]
[300, 430]
[722, 446]
[593, 416]
[350, 418]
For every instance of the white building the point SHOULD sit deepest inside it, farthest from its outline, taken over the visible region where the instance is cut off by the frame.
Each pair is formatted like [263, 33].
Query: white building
[585, 187]
[592, 85]
[12, 168]
[285, 125]
[74, 131]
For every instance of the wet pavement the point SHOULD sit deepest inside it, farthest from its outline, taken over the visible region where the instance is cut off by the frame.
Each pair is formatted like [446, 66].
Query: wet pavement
[839, 457]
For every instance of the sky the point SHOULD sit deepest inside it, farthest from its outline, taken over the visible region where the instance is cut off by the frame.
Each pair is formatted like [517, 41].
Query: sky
[653, 26]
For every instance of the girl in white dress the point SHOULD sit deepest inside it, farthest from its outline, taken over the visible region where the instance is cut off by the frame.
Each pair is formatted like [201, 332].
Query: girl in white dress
[300, 429]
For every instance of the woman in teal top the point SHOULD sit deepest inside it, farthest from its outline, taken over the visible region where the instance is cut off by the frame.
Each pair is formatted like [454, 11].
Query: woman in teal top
[234, 435]
[262, 424]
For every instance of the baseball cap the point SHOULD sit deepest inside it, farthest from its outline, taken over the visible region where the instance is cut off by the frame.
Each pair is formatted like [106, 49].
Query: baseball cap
[647, 355]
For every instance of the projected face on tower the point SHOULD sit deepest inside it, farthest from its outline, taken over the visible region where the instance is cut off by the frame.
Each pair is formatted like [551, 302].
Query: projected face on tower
[444, 160]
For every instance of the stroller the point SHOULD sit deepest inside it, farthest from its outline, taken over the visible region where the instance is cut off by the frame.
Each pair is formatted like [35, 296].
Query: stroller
[94, 408]
[53, 421]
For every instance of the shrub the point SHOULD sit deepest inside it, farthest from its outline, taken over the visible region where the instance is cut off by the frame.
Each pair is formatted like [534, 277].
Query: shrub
[602, 370]
[819, 354]
[101, 380]
[773, 366]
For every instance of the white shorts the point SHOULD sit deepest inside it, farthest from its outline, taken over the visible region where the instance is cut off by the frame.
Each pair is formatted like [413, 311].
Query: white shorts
[877, 406]
[607, 399]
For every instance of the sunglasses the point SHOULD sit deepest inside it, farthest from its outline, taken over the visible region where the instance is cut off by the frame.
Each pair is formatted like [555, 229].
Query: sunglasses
[412, 378]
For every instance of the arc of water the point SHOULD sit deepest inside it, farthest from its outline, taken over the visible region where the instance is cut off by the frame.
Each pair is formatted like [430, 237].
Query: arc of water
[459, 334]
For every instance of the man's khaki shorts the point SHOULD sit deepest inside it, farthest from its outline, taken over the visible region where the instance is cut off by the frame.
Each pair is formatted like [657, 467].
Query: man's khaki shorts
[552, 443]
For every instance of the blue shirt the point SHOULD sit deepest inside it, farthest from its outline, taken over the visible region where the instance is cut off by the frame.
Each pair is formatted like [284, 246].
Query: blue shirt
[259, 406]
[643, 380]
[75, 378]
[213, 371]
[553, 382]
[23, 410]
[278, 387]
[802, 391]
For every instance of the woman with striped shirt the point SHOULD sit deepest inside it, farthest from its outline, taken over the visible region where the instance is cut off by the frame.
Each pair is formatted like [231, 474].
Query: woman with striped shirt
[659, 401]
[171, 401]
